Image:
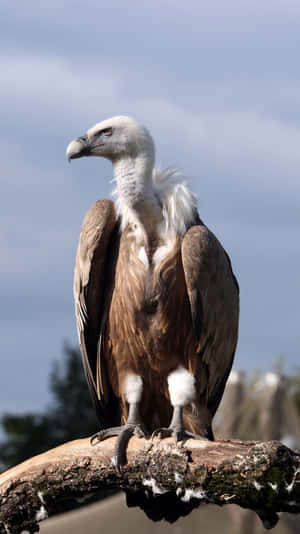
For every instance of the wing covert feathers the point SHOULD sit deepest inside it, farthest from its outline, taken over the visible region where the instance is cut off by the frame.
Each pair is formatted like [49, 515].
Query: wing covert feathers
[214, 301]
[90, 288]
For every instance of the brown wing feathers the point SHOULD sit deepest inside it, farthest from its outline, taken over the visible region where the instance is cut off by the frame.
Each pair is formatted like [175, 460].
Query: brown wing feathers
[90, 286]
[214, 301]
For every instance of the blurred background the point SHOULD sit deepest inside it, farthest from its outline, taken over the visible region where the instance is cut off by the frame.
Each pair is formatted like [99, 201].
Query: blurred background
[218, 85]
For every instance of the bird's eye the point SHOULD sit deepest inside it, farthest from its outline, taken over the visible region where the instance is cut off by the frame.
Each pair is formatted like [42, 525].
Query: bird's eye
[107, 131]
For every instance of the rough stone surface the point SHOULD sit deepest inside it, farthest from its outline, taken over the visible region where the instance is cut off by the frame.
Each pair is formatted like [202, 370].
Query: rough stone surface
[164, 480]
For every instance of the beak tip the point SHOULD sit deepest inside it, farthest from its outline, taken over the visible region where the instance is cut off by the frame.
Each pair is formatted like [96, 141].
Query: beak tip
[75, 149]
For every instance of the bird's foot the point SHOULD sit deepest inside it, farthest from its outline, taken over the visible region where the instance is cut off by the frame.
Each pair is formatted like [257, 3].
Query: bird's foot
[124, 433]
[176, 428]
[179, 433]
[129, 429]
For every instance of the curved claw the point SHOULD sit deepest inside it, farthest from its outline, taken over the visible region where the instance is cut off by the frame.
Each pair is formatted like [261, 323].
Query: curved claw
[121, 445]
[139, 432]
[162, 433]
[105, 433]
[183, 435]
[179, 433]
[124, 434]
[127, 431]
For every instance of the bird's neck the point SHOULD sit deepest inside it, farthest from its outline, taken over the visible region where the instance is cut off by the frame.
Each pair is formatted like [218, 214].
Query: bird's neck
[136, 192]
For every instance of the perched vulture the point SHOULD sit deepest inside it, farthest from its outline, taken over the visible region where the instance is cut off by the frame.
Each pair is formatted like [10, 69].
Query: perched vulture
[156, 301]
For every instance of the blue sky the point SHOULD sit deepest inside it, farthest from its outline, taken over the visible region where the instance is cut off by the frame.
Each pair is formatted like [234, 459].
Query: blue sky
[218, 85]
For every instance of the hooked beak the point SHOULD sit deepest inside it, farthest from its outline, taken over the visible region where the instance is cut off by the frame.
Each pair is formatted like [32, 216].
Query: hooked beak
[78, 147]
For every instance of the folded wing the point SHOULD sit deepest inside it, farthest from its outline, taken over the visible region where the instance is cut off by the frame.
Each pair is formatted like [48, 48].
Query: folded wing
[214, 300]
[92, 287]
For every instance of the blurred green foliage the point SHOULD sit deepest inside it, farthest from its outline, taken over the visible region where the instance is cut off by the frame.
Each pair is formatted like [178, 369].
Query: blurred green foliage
[69, 416]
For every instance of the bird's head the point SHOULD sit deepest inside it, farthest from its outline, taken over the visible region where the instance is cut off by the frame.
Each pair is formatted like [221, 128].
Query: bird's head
[114, 139]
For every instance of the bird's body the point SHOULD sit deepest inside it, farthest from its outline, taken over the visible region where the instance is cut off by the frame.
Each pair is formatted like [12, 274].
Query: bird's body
[156, 300]
[148, 320]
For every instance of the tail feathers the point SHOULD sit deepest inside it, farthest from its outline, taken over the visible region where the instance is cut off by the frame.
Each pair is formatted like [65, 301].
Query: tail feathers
[198, 423]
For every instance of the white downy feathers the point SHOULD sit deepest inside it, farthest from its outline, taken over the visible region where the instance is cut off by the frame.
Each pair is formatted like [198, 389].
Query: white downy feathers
[181, 387]
[133, 388]
[178, 203]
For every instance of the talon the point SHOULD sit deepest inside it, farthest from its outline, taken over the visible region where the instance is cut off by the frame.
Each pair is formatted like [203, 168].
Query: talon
[183, 435]
[106, 433]
[123, 434]
[180, 435]
[156, 433]
[120, 451]
[96, 438]
[176, 429]
[162, 433]
[139, 432]
[133, 426]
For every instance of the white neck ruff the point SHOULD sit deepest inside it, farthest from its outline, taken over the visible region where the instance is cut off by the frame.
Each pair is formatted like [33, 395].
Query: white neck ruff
[178, 203]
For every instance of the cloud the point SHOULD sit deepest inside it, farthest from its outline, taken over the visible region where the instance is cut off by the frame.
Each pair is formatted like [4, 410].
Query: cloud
[209, 41]
[48, 94]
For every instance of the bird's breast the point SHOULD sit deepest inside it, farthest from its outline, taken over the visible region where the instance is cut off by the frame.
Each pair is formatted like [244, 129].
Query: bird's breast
[149, 305]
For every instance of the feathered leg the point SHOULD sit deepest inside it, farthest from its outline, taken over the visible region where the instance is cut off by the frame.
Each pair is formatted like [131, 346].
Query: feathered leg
[133, 426]
[182, 392]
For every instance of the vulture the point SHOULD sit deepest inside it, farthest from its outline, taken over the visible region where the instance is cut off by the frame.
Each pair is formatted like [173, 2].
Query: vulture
[156, 300]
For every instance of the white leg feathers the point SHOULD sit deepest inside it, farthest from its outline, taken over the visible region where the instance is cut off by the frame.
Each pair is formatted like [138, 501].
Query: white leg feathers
[181, 387]
[133, 388]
